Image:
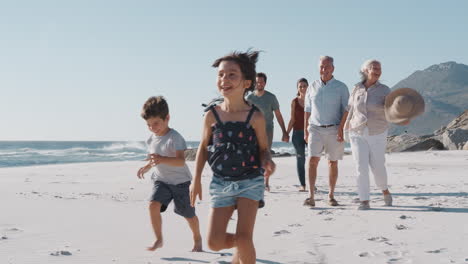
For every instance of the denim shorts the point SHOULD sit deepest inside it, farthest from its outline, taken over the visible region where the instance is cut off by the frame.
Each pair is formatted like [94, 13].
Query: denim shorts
[225, 193]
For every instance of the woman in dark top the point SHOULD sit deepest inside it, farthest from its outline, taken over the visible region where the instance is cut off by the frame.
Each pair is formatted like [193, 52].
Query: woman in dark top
[297, 125]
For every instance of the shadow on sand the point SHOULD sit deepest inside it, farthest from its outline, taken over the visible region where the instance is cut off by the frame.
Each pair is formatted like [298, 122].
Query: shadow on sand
[448, 194]
[189, 260]
[408, 208]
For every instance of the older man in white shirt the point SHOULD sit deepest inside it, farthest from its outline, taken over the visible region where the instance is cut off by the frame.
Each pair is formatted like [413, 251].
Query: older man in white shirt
[325, 114]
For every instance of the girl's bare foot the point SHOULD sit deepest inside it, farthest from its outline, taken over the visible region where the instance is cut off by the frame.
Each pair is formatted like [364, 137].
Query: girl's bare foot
[156, 245]
[197, 246]
[302, 189]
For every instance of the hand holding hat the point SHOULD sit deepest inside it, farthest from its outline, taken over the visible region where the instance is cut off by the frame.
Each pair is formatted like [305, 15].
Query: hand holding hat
[402, 105]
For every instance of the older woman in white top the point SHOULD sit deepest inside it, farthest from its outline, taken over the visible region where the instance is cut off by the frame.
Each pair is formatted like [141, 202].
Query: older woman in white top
[367, 128]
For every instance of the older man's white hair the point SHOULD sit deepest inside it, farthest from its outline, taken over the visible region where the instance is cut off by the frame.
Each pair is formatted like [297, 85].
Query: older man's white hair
[327, 58]
[366, 66]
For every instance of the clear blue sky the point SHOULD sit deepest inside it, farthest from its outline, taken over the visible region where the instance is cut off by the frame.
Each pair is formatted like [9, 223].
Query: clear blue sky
[81, 70]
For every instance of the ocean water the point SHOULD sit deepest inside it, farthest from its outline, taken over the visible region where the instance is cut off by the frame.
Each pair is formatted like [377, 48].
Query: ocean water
[31, 153]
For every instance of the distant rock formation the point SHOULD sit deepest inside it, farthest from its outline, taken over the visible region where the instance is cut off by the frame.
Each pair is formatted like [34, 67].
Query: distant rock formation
[455, 134]
[445, 90]
[452, 137]
[190, 154]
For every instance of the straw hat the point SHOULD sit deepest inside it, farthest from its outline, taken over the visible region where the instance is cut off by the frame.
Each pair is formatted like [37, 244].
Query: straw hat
[402, 105]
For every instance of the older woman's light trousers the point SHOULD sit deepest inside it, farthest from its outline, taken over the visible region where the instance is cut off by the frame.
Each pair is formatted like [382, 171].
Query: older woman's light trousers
[369, 151]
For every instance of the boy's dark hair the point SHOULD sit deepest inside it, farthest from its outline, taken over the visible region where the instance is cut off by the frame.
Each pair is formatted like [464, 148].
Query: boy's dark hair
[262, 75]
[246, 61]
[155, 106]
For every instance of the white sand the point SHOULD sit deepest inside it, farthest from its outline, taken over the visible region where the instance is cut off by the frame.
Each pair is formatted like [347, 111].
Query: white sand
[97, 212]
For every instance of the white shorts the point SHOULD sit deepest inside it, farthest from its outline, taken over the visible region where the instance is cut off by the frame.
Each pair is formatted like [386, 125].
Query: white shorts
[324, 140]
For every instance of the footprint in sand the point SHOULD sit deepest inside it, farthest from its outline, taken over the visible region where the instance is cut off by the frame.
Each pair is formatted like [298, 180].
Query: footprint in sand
[90, 194]
[395, 261]
[325, 212]
[13, 230]
[61, 253]
[420, 198]
[281, 232]
[392, 253]
[436, 251]
[405, 217]
[401, 227]
[411, 186]
[4, 238]
[295, 225]
[378, 239]
[363, 254]
[119, 198]
[329, 219]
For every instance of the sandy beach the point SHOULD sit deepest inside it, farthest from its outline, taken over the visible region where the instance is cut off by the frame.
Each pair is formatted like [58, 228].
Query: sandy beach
[97, 213]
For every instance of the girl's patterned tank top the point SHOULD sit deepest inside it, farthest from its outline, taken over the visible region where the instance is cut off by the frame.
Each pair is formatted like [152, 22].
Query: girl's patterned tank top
[233, 151]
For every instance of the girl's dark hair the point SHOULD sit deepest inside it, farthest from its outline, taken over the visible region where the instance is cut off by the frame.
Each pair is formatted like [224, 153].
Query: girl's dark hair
[302, 80]
[246, 61]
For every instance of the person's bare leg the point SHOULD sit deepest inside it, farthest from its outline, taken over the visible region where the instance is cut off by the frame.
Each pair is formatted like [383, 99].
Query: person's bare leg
[313, 164]
[197, 239]
[218, 238]
[247, 213]
[332, 177]
[156, 222]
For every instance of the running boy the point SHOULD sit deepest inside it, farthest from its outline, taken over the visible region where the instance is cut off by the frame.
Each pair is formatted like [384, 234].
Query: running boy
[171, 175]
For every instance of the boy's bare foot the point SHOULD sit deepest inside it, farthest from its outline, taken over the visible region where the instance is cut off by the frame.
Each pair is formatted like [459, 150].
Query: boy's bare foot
[156, 245]
[302, 189]
[197, 246]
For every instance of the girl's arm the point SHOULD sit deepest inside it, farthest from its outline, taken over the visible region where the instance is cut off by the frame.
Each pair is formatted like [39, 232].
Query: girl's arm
[200, 160]
[292, 121]
[258, 124]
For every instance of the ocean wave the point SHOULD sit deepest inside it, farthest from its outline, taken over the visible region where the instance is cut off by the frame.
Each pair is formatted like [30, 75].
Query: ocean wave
[125, 146]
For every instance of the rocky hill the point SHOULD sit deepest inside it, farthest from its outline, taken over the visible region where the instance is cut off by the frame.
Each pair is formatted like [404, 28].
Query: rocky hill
[445, 90]
[454, 136]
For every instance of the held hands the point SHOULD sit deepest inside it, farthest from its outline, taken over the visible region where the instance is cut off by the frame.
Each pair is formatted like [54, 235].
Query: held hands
[195, 190]
[143, 170]
[285, 137]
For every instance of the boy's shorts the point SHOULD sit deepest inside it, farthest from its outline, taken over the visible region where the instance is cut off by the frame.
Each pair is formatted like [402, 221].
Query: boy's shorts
[225, 193]
[165, 193]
